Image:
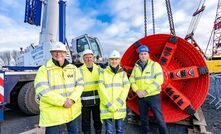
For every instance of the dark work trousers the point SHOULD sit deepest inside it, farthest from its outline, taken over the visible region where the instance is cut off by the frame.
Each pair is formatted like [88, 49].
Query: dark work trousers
[72, 128]
[86, 119]
[154, 103]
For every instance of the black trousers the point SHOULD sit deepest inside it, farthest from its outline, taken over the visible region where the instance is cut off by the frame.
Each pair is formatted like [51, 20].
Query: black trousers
[154, 103]
[87, 111]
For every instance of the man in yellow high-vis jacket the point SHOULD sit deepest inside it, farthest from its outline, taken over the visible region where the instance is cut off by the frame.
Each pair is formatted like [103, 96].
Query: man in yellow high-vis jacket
[90, 98]
[146, 80]
[59, 86]
[113, 90]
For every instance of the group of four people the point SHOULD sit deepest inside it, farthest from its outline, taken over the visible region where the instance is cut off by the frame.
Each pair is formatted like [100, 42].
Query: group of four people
[64, 91]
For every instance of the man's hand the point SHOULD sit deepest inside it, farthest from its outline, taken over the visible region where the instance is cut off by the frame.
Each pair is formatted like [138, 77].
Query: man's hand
[112, 108]
[145, 93]
[141, 93]
[68, 103]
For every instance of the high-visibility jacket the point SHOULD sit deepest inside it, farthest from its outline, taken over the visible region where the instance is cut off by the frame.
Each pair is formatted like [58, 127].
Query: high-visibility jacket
[90, 95]
[53, 86]
[150, 79]
[113, 91]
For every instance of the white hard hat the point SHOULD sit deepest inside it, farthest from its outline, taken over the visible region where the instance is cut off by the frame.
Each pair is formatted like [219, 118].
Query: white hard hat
[114, 54]
[58, 46]
[87, 51]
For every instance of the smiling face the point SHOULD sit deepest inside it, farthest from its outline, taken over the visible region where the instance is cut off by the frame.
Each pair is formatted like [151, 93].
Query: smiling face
[88, 59]
[59, 56]
[144, 56]
[114, 62]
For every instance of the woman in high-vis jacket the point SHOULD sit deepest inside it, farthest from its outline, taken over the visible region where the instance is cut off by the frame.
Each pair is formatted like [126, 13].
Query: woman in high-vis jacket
[59, 86]
[113, 90]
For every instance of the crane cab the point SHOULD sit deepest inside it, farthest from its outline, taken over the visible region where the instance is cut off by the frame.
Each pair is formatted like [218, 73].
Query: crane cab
[83, 42]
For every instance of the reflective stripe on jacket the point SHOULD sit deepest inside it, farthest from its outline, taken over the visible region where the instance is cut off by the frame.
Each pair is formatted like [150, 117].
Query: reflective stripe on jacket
[90, 96]
[53, 86]
[150, 79]
[113, 91]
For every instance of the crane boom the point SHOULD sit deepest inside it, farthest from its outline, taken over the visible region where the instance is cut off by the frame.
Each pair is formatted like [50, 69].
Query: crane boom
[53, 28]
[49, 30]
[217, 32]
[195, 19]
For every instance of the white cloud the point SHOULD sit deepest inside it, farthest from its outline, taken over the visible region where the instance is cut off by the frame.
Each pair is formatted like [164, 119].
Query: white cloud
[127, 23]
[211, 4]
[17, 37]
[138, 21]
[112, 30]
[125, 28]
[180, 16]
[14, 36]
[205, 27]
[10, 3]
[160, 10]
[6, 21]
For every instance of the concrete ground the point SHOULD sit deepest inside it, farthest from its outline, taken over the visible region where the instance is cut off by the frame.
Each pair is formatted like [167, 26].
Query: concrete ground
[17, 122]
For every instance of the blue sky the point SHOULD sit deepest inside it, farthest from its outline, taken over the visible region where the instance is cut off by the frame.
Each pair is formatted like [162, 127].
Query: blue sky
[116, 23]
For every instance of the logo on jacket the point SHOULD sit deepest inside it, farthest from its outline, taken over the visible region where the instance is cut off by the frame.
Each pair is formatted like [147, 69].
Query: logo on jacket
[70, 75]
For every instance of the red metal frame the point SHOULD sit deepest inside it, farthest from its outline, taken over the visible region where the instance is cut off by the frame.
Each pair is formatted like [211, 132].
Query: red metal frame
[192, 89]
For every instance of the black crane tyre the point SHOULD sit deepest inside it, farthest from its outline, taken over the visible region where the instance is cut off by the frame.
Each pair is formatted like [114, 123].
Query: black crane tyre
[26, 99]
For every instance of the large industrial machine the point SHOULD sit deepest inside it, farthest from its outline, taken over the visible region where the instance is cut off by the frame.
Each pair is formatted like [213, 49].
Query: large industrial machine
[16, 82]
[186, 76]
[185, 72]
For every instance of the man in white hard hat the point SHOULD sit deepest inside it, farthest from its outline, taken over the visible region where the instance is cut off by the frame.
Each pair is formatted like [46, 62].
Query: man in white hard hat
[59, 86]
[90, 98]
[113, 90]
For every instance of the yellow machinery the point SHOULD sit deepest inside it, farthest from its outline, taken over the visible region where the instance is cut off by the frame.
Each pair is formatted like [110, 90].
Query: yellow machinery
[214, 65]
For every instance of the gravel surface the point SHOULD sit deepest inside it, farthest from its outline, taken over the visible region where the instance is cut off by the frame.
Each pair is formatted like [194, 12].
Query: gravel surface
[212, 116]
[211, 113]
